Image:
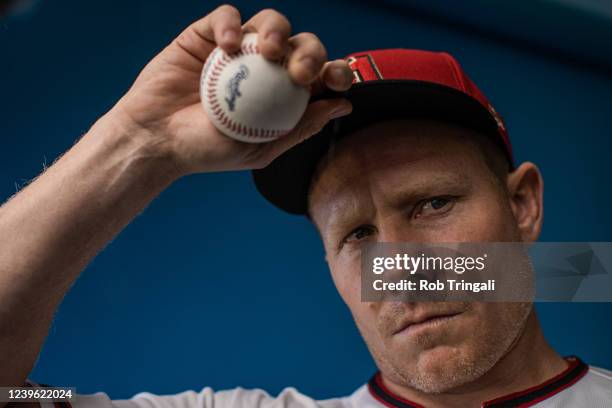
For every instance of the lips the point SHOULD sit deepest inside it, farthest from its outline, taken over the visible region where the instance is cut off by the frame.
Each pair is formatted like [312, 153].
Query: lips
[424, 321]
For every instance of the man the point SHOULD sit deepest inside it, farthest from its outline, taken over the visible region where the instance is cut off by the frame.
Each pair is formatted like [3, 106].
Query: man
[427, 161]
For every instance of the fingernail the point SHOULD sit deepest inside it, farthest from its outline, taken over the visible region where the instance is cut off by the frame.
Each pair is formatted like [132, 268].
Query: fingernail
[340, 75]
[309, 64]
[275, 37]
[340, 111]
[344, 75]
[229, 36]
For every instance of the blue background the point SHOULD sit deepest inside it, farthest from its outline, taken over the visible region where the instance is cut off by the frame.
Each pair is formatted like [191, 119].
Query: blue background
[213, 286]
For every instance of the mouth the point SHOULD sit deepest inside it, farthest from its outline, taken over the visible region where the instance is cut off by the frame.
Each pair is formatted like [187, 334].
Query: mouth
[428, 321]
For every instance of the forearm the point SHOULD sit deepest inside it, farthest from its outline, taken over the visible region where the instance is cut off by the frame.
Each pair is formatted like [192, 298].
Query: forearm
[55, 226]
[51, 229]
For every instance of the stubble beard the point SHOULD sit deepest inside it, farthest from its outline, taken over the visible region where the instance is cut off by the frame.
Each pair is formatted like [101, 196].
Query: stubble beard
[465, 364]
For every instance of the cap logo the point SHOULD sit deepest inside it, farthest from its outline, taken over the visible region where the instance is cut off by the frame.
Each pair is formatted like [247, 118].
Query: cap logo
[364, 68]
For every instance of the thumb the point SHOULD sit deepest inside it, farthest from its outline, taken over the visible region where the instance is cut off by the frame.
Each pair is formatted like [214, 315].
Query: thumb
[316, 116]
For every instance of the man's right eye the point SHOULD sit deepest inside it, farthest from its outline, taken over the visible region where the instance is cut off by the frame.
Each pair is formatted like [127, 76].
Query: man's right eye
[358, 234]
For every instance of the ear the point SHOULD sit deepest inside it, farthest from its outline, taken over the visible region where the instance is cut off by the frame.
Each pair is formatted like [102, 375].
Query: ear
[526, 189]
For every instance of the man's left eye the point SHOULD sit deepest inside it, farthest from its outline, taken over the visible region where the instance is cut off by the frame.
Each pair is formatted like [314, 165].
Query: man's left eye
[435, 205]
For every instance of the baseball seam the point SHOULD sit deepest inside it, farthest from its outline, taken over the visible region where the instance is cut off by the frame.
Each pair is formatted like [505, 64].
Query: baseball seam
[215, 69]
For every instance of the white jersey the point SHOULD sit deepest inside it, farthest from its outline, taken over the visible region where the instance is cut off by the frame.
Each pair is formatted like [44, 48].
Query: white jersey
[578, 386]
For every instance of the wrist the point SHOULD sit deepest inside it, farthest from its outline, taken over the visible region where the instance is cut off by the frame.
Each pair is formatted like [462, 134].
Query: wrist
[149, 150]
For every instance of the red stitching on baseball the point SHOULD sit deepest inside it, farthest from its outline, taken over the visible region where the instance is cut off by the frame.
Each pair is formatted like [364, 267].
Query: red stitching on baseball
[213, 76]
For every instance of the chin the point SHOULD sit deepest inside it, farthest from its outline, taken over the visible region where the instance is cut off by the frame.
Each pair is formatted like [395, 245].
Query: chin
[437, 359]
[443, 368]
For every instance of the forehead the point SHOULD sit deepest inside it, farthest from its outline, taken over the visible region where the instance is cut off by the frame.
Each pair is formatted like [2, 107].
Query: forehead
[388, 154]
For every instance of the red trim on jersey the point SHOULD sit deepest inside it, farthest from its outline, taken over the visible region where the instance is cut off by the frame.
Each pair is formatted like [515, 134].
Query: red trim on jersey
[387, 397]
[575, 370]
[550, 394]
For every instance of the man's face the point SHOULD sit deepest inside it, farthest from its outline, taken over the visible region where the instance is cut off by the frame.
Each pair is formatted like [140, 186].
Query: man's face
[417, 181]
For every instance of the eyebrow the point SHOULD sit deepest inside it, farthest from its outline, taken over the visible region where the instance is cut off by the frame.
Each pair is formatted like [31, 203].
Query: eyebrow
[341, 215]
[344, 210]
[456, 183]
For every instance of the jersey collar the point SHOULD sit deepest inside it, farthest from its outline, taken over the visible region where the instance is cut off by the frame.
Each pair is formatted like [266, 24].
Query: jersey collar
[575, 370]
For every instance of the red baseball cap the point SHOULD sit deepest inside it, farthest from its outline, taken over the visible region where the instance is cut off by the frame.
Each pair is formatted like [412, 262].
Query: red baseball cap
[387, 84]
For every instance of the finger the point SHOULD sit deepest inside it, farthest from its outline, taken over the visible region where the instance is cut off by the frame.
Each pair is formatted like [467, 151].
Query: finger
[307, 58]
[315, 118]
[335, 75]
[221, 27]
[273, 30]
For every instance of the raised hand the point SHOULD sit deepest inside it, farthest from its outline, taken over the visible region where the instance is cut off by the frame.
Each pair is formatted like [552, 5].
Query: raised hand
[164, 101]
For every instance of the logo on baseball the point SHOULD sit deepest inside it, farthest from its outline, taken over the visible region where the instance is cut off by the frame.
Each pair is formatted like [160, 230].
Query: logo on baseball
[248, 97]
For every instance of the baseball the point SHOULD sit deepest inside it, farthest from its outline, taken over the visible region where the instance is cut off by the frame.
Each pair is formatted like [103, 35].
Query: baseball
[249, 98]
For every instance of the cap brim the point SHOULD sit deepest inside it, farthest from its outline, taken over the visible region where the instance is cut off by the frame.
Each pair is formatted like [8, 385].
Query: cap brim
[286, 181]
